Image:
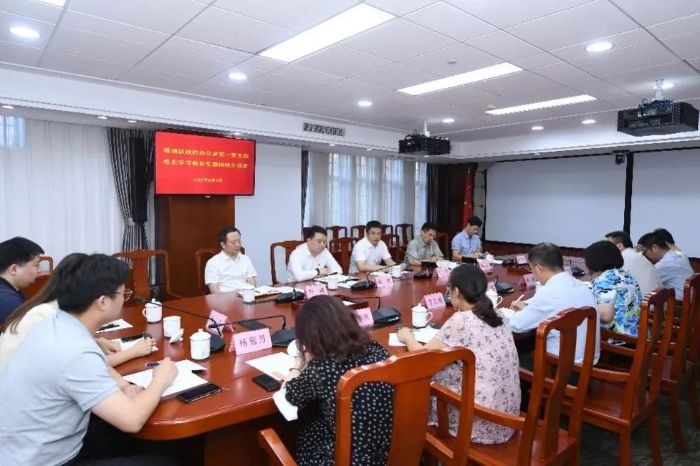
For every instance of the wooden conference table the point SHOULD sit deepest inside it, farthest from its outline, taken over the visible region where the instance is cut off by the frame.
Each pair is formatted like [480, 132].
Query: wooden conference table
[228, 421]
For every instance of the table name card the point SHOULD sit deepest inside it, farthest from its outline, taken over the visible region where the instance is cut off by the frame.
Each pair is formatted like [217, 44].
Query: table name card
[443, 273]
[527, 282]
[433, 301]
[317, 289]
[254, 340]
[485, 266]
[221, 320]
[383, 280]
[521, 259]
[364, 317]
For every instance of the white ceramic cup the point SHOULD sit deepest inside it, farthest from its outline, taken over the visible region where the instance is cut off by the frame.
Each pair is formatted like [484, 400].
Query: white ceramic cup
[333, 283]
[420, 317]
[248, 296]
[171, 325]
[495, 299]
[153, 312]
[199, 345]
[396, 271]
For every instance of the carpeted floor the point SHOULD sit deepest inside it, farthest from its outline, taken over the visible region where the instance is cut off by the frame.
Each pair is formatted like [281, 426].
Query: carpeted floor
[600, 447]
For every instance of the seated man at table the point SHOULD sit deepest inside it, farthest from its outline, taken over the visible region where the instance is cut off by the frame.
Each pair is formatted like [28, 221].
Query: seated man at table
[230, 270]
[59, 375]
[19, 267]
[370, 251]
[424, 248]
[467, 242]
[312, 259]
[670, 241]
[674, 269]
[636, 264]
[559, 291]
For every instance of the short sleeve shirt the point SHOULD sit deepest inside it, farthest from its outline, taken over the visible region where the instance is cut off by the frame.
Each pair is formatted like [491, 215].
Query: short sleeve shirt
[466, 245]
[618, 287]
[370, 254]
[230, 274]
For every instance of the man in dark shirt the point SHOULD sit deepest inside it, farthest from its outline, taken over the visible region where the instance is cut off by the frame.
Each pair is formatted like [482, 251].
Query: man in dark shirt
[19, 267]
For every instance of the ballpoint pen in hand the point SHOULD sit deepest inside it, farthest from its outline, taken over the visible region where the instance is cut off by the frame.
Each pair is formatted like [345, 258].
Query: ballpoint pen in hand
[107, 327]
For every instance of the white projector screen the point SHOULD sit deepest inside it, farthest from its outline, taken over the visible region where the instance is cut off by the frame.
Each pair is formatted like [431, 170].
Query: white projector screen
[666, 193]
[571, 201]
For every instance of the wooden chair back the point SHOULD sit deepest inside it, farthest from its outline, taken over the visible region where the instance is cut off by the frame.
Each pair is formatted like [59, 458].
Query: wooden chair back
[405, 232]
[388, 229]
[288, 246]
[201, 256]
[336, 232]
[357, 231]
[392, 243]
[38, 284]
[341, 249]
[140, 278]
[443, 242]
[681, 347]
[49, 262]
[691, 302]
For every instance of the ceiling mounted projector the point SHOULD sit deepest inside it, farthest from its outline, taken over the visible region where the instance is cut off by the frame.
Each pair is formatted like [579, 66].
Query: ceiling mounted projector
[424, 144]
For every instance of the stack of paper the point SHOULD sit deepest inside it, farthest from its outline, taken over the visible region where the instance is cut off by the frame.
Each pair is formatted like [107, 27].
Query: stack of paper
[340, 278]
[274, 365]
[184, 381]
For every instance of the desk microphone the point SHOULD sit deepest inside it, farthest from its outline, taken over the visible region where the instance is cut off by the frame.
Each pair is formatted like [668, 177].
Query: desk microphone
[295, 294]
[366, 283]
[381, 315]
[282, 337]
[424, 272]
[216, 343]
[503, 287]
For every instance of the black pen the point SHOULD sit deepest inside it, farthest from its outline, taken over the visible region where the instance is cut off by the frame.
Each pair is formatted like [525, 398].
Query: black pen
[107, 327]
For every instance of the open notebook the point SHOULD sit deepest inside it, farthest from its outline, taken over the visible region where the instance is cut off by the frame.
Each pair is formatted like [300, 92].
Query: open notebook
[184, 381]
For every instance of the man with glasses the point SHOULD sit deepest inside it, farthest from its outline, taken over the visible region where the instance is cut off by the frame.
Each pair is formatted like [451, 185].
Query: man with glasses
[230, 270]
[674, 269]
[636, 264]
[59, 375]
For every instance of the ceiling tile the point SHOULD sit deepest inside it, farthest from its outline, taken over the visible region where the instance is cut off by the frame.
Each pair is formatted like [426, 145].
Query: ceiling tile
[279, 84]
[196, 67]
[398, 40]
[13, 53]
[260, 63]
[342, 61]
[641, 82]
[687, 46]
[597, 88]
[625, 60]
[8, 20]
[686, 91]
[450, 21]
[395, 76]
[223, 28]
[619, 41]
[649, 12]
[505, 13]
[105, 27]
[676, 27]
[562, 73]
[468, 59]
[399, 7]
[205, 51]
[503, 45]
[574, 26]
[307, 75]
[351, 91]
[159, 15]
[535, 61]
[525, 84]
[32, 9]
[96, 46]
[457, 96]
[82, 65]
[298, 15]
[158, 79]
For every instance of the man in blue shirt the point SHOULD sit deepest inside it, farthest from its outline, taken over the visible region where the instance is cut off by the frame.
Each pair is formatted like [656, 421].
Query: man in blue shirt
[19, 267]
[673, 268]
[467, 242]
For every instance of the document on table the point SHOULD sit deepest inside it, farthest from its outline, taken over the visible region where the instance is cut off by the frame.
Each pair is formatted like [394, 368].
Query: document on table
[265, 290]
[340, 278]
[273, 364]
[184, 381]
[423, 335]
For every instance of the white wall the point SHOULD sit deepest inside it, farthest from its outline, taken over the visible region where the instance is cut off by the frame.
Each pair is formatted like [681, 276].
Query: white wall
[273, 213]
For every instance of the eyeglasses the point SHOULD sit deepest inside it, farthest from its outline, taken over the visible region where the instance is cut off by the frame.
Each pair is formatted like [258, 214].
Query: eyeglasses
[127, 294]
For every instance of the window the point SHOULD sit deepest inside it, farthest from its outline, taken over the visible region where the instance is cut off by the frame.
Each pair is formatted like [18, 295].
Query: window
[12, 132]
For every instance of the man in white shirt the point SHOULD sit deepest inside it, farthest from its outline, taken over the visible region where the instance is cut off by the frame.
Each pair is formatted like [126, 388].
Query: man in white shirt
[636, 264]
[230, 270]
[312, 259]
[559, 291]
[674, 268]
[370, 251]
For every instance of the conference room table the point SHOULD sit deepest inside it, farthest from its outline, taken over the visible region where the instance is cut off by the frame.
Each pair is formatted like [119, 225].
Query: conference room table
[227, 422]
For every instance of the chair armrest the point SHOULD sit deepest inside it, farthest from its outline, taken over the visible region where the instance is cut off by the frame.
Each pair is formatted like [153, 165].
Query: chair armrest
[499, 417]
[276, 451]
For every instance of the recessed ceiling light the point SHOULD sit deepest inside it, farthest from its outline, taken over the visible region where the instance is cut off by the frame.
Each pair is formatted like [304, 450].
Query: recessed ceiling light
[102, 117]
[426, 156]
[461, 79]
[364, 103]
[577, 99]
[347, 24]
[664, 86]
[596, 47]
[132, 121]
[588, 121]
[237, 76]
[369, 149]
[237, 134]
[23, 32]
[54, 2]
[8, 107]
[448, 120]
[537, 128]
[331, 144]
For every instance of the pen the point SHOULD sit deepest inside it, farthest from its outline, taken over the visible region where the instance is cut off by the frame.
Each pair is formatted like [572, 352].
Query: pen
[152, 364]
[107, 327]
[521, 297]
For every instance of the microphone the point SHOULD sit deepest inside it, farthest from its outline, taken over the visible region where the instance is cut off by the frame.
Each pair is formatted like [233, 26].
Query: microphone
[381, 315]
[216, 343]
[281, 337]
[297, 295]
[503, 287]
[366, 283]
[424, 272]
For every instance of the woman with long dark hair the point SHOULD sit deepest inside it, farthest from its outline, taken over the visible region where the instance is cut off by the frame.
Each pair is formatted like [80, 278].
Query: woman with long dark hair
[476, 325]
[330, 343]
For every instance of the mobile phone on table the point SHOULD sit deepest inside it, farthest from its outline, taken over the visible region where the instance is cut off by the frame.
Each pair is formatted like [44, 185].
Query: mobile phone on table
[197, 393]
[268, 383]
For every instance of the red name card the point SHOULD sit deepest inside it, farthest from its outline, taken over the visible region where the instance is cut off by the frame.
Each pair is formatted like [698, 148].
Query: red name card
[221, 320]
[383, 280]
[433, 301]
[317, 289]
[485, 266]
[364, 317]
[443, 273]
[254, 340]
[527, 282]
[521, 259]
